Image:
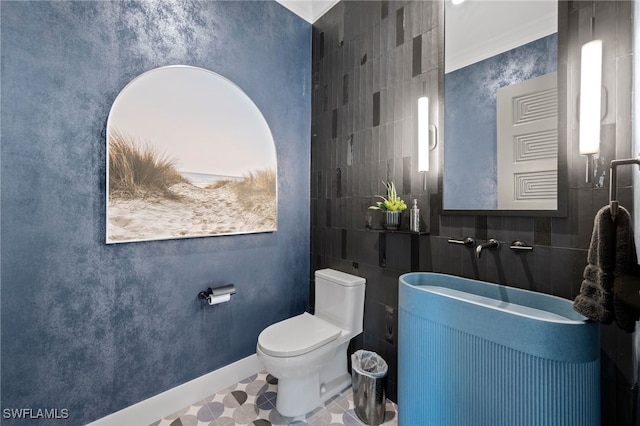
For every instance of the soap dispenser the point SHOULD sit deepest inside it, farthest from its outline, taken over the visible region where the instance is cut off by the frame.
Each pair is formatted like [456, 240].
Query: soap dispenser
[414, 217]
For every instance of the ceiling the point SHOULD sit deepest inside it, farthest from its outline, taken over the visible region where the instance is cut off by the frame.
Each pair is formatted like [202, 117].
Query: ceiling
[474, 30]
[309, 10]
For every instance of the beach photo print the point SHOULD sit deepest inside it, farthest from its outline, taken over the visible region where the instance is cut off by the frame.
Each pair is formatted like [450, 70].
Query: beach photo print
[188, 155]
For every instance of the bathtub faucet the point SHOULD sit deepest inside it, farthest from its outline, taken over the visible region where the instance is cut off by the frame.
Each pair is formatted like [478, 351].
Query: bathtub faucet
[492, 243]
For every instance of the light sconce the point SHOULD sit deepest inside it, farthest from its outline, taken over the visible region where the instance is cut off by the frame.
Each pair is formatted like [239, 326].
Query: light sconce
[590, 97]
[590, 101]
[426, 142]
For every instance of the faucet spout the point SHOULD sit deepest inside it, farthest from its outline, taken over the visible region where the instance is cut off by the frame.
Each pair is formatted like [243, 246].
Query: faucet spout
[492, 243]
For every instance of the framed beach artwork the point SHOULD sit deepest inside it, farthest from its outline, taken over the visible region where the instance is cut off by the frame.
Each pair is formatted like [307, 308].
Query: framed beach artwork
[188, 155]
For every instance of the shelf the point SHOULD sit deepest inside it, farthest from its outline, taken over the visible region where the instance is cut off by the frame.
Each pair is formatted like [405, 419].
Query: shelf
[396, 231]
[382, 245]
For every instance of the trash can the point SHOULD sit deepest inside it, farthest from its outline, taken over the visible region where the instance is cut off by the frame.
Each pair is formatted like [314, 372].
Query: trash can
[368, 377]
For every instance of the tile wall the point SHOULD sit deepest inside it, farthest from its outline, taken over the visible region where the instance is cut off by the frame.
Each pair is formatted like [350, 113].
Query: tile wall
[371, 60]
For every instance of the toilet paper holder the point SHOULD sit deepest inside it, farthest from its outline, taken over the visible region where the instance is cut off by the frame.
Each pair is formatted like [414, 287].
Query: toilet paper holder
[218, 294]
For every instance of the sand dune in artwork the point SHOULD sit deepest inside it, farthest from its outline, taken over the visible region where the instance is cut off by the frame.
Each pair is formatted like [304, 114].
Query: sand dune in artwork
[192, 212]
[149, 200]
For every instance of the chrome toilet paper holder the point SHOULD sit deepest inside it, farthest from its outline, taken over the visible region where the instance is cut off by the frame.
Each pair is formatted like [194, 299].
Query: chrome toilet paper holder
[210, 293]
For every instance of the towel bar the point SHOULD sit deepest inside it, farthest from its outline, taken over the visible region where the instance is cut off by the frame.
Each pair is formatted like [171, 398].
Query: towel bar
[613, 184]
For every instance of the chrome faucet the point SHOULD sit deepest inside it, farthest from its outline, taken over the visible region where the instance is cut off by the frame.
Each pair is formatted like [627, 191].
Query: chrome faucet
[492, 243]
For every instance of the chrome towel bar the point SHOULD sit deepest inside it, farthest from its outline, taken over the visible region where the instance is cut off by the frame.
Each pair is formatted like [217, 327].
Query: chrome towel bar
[613, 184]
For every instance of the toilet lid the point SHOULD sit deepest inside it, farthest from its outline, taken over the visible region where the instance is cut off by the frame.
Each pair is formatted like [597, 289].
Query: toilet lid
[296, 336]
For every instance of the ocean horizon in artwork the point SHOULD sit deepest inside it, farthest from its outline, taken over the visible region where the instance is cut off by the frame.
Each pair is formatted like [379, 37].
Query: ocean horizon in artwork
[202, 180]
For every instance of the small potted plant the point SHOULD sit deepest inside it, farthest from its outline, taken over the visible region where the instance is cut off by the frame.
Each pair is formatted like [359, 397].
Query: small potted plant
[392, 205]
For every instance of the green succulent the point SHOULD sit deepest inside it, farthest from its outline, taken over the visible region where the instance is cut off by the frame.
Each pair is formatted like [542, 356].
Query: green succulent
[392, 202]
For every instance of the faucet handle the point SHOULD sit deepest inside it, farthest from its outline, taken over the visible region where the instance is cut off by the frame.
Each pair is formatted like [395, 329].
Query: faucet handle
[520, 246]
[466, 241]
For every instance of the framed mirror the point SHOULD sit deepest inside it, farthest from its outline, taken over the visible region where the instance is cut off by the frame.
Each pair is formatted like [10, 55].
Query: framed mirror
[501, 144]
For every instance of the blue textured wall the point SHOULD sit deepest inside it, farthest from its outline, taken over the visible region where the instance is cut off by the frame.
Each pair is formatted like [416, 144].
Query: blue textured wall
[94, 328]
[470, 120]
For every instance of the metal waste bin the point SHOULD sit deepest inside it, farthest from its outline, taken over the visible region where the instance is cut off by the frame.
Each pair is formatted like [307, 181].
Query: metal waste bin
[368, 378]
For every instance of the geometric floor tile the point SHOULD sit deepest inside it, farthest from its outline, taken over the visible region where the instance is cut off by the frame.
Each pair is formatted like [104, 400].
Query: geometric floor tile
[253, 402]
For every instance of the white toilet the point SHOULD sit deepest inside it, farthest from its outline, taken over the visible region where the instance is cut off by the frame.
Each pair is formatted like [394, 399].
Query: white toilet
[308, 353]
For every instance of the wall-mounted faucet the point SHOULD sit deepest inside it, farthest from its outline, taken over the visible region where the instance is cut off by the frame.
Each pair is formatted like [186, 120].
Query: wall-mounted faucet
[492, 243]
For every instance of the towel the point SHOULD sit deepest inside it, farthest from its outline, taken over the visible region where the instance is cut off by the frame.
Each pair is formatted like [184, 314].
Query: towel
[608, 258]
[626, 301]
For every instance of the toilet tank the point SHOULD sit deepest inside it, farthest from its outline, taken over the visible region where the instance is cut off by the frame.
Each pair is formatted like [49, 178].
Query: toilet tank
[340, 299]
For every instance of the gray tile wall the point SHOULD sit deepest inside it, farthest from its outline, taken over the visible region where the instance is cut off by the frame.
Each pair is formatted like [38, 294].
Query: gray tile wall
[371, 61]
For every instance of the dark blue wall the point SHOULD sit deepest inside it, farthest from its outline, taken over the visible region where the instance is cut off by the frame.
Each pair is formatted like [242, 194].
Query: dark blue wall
[94, 328]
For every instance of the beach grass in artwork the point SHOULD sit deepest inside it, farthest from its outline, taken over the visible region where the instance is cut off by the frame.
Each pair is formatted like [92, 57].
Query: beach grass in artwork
[149, 199]
[136, 170]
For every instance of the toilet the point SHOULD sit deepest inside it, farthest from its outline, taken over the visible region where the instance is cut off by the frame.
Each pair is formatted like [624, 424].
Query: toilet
[308, 353]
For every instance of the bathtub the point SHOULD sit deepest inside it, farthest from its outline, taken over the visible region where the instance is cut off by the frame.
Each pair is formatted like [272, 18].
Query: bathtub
[472, 353]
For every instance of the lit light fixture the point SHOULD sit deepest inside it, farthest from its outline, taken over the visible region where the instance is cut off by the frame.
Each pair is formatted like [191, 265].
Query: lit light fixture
[590, 98]
[427, 137]
[456, 2]
[423, 134]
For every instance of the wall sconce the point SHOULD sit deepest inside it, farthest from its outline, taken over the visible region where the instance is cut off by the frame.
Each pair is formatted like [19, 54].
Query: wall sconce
[590, 101]
[426, 142]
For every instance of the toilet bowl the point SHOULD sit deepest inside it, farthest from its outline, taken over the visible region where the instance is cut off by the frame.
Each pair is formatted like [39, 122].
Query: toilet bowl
[308, 353]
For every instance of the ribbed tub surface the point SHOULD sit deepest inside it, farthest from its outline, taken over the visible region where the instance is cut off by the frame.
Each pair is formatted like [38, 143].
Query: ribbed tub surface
[472, 353]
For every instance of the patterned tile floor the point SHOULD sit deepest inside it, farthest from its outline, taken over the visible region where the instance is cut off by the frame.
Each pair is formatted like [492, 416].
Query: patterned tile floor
[253, 401]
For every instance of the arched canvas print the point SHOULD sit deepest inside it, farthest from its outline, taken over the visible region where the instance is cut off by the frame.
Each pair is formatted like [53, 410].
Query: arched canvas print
[188, 155]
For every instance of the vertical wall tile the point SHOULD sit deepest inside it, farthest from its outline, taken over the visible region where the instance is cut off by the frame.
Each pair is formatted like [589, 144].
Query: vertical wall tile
[406, 177]
[376, 109]
[481, 227]
[325, 98]
[417, 56]
[334, 123]
[542, 231]
[345, 89]
[400, 26]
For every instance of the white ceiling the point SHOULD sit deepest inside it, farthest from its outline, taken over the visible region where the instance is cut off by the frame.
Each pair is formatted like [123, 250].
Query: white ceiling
[475, 30]
[309, 10]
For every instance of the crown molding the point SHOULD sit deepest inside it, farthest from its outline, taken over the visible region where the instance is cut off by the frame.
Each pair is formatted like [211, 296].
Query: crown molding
[309, 10]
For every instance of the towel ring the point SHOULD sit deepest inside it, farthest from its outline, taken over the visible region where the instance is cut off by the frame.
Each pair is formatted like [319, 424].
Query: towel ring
[613, 184]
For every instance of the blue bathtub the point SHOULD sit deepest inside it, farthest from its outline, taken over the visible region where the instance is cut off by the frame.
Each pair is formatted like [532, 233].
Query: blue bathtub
[472, 353]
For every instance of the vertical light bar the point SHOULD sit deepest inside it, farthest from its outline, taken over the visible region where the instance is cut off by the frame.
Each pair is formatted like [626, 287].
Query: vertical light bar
[590, 97]
[423, 134]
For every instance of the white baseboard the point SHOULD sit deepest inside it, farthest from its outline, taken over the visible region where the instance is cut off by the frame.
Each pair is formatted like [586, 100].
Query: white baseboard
[168, 402]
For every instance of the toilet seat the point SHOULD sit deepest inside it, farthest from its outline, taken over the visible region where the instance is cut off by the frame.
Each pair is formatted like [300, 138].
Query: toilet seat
[296, 336]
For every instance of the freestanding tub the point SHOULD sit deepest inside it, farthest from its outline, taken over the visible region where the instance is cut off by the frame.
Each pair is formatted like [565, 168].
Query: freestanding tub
[472, 353]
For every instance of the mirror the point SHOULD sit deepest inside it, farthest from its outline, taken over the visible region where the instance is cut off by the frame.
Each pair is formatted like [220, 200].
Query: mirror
[500, 110]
